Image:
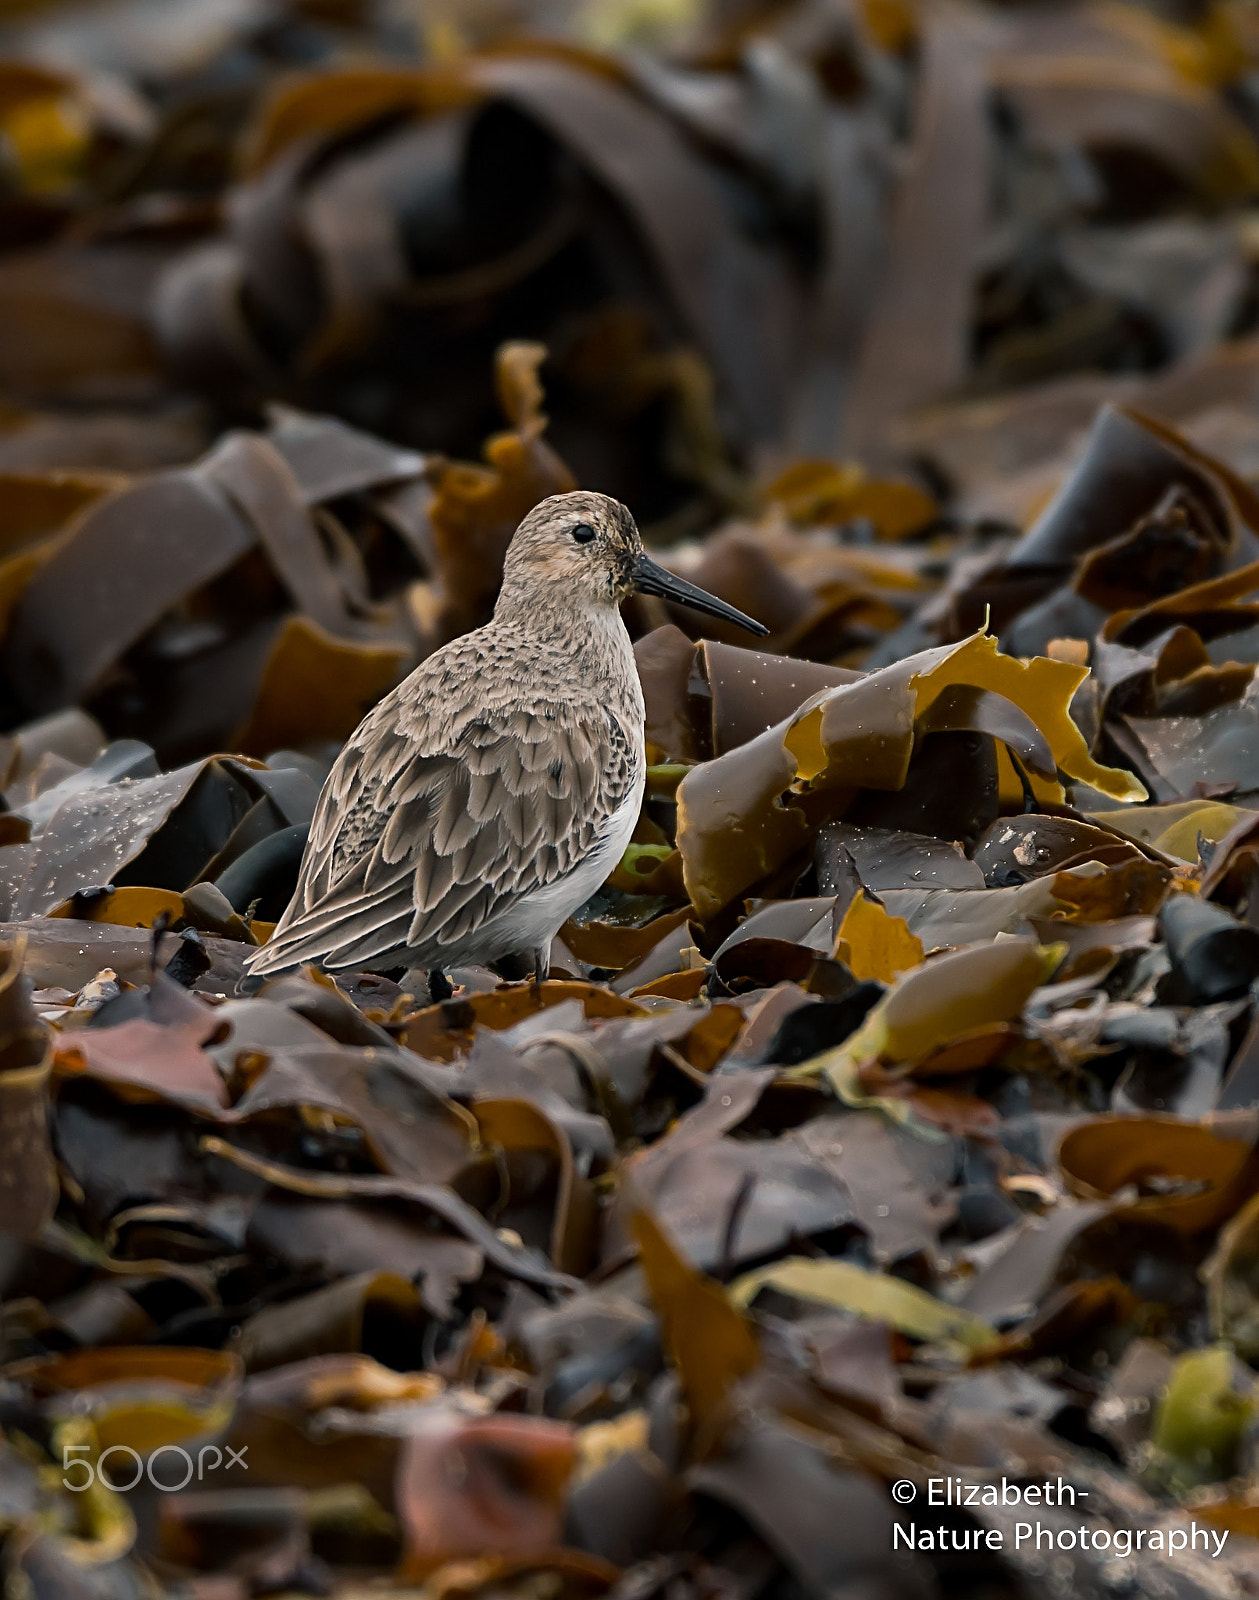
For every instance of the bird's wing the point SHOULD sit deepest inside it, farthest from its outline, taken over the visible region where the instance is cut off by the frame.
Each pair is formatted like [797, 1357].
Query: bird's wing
[418, 842]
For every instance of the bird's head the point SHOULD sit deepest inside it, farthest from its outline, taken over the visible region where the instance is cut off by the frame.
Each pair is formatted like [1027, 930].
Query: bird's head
[587, 548]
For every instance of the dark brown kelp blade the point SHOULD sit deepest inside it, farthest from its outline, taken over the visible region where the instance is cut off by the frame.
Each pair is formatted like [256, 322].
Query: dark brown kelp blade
[29, 1193]
[1213, 956]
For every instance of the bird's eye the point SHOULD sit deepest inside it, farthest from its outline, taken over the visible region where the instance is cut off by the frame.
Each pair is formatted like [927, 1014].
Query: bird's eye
[583, 533]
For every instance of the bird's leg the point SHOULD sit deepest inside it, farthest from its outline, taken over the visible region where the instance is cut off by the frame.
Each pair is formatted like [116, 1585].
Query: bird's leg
[439, 985]
[541, 965]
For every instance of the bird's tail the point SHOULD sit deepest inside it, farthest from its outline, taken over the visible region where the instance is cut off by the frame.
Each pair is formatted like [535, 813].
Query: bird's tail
[271, 959]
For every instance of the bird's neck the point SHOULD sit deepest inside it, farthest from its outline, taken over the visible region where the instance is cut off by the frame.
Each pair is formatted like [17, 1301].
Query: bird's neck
[593, 638]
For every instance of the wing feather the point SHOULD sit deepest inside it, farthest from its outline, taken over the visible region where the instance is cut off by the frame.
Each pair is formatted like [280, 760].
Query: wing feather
[421, 837]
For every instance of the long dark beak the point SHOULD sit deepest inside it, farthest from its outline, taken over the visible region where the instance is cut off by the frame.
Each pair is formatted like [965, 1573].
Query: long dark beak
[652, 579]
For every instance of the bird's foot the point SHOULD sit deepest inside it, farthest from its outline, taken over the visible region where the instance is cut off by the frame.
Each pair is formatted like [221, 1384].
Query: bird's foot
[439, 986]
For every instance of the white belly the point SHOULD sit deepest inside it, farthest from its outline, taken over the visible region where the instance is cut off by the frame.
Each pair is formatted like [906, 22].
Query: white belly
[535, 920]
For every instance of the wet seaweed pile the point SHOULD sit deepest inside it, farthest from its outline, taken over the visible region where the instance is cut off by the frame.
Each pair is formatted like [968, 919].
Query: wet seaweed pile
[877, 1175]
